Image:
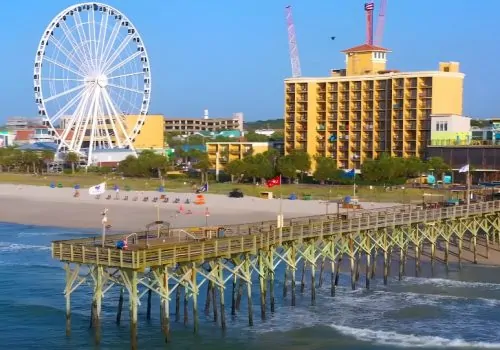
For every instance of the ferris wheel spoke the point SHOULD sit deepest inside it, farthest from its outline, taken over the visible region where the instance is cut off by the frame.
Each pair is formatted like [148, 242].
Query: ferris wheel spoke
[108, 46]
[118, 119]
[77, 120]
[125, 75]
[63, 66]
[106, 113]
[64, 93]
[66, 107]
[83, 38]
[125, 88]
[74, 45]
[92, 33]
[73, 123]
[117, 53]
[111, 114]
[123, 63]
[121, 98]
[84, 121]
[102, 36]
[78, 63]
[61, 79]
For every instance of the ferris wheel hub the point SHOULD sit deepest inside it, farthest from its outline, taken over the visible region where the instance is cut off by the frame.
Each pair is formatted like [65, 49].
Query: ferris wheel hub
[101, 80]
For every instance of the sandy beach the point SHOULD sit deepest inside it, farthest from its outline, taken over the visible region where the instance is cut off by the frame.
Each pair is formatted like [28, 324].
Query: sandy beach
[58, 207]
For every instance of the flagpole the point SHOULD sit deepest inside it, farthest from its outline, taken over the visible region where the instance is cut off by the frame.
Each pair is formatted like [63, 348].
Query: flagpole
[354, 184]
[281, 213]
[468, 187]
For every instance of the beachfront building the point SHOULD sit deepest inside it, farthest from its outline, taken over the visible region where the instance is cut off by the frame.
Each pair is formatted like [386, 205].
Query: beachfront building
[188, 126]
[481, 150]
[450, 129]
[221, 153]
[364, 110]
[151, 136]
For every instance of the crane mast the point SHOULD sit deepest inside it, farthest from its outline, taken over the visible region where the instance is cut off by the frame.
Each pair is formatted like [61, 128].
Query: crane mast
[292, 43]
[379, 32]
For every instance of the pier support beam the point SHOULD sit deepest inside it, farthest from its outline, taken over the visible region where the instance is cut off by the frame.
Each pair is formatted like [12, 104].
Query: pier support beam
[71, 277]
[194, 291]
[120, 307]
[131, 281]
[262, 284]
[97, 302]
[221, 291]
[163, 277]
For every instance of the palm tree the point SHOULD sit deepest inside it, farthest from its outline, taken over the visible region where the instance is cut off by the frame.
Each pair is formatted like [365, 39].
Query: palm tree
[72, 158]
[47, 157]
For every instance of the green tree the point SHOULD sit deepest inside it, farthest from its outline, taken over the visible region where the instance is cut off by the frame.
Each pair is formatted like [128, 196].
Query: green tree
[30, 160]
[302, 161]
[258, 166]
[47, 157]
[414, 167]
[236, 168]
[277, 136]
[326, 169]
[438, 166]
[202, 163]
[72, 158]
[251, 136]
[287, 167]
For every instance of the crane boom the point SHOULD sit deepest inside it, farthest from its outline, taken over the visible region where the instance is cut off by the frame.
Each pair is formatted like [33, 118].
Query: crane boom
[379, 31]
[292, 43]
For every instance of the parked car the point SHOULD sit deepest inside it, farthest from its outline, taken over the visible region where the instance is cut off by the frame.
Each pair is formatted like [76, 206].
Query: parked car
[236, 193]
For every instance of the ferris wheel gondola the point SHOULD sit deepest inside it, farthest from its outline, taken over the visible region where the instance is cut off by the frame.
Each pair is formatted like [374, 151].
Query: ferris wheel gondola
[92, 71]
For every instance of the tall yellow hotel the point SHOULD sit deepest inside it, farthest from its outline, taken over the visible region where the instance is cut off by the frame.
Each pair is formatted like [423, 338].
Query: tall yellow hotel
[365, 110]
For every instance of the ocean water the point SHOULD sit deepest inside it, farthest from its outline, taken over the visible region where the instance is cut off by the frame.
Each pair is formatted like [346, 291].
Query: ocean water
[456, 310]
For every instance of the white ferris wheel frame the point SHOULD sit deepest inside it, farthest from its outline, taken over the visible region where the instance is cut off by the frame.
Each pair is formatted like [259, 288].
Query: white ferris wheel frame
[141, 53]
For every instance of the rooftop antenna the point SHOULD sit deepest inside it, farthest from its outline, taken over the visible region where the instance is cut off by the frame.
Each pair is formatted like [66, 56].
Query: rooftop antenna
[292, 43]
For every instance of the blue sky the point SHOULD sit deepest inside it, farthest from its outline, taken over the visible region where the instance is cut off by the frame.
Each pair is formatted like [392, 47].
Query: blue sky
[231, 56]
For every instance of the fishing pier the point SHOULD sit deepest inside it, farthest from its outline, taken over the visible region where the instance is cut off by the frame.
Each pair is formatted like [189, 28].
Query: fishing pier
[176, 264]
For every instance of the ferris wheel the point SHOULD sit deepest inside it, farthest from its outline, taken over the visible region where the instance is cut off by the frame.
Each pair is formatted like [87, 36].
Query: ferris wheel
[91, 72]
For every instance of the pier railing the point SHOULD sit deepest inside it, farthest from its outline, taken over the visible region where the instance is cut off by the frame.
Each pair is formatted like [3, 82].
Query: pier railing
[157, 254]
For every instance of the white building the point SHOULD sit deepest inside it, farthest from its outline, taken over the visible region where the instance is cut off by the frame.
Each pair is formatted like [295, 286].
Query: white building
[265, 132]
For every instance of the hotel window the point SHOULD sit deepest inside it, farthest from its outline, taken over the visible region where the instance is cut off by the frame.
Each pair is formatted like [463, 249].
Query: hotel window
[442, 126]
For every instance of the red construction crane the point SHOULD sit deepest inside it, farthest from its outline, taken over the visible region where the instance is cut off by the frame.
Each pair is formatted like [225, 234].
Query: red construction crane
[292, 43]
[379, 32]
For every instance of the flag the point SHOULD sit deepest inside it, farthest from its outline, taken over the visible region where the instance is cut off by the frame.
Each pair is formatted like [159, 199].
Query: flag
[97, 189]
[369, 6]
[464, 169]
[275, 181]
[203, 188]
[350, 173]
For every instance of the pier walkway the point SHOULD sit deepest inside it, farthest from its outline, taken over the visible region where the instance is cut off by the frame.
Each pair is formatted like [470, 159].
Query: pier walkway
[169, 262]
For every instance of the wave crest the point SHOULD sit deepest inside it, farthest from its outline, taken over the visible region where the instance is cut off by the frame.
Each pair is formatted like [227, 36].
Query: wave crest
[408, 340]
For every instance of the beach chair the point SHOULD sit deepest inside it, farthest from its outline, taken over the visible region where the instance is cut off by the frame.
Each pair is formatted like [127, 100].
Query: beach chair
[165, 200]
[125, 198]
[108, 197]
[98, 196]
[145, 199]
[135, 199]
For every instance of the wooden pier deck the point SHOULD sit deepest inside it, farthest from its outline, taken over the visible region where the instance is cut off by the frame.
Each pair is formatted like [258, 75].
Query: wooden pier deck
[180, 257]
